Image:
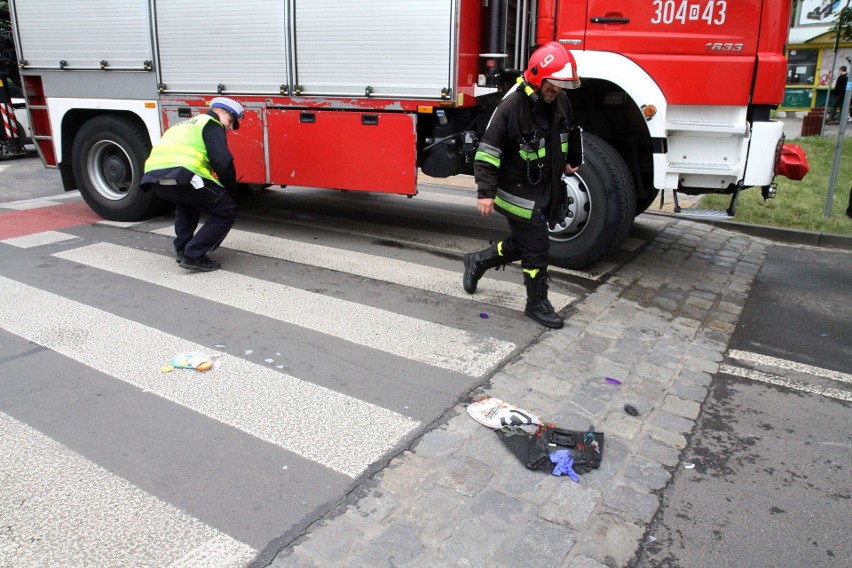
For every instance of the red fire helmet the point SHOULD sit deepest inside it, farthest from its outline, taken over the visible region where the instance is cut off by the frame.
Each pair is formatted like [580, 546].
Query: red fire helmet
[554, 63]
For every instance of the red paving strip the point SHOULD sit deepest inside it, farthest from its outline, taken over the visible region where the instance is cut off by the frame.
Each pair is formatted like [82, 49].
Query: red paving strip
[20, 223]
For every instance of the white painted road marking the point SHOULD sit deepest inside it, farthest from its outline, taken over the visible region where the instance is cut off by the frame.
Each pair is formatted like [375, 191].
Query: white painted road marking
[447, 282]
[60, 509]
[783, 382]
[39, 202]
[789, 365]
[311, 421]
[431, 343]
[40, 239]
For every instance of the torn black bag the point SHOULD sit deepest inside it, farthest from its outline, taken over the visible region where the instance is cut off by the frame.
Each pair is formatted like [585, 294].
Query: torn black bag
[533, 450]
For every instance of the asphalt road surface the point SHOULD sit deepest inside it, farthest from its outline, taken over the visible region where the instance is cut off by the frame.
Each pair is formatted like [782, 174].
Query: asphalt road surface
[340, 328]
[765, 479]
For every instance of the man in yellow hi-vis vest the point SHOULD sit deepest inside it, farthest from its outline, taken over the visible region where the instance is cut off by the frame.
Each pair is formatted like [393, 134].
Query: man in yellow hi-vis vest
[193, 168]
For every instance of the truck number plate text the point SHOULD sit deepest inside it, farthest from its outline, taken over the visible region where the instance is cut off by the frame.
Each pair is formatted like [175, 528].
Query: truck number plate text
[713, 13]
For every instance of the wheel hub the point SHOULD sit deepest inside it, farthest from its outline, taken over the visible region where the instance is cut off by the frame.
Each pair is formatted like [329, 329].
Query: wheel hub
[577, 211]
[115, 170]
[110, 169]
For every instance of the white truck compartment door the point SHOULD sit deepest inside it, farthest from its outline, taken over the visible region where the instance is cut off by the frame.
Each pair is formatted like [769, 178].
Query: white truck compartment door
[83, 34]
[239, 45]
[397, 48]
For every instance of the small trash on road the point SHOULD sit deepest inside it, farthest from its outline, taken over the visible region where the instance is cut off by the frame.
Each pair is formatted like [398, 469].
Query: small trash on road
[197, 360]
[631, 410]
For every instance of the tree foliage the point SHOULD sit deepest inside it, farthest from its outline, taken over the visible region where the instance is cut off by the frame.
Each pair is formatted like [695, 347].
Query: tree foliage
[843, 27]
[5, 21]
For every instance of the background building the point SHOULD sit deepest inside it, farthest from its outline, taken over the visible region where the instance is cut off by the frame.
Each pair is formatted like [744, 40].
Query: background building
[811, 62]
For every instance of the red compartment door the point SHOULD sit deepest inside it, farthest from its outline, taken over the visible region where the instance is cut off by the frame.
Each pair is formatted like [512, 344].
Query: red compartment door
[353, 150]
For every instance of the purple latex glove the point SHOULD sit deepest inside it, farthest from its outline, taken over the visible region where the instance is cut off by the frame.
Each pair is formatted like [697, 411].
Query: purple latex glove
[563, 464]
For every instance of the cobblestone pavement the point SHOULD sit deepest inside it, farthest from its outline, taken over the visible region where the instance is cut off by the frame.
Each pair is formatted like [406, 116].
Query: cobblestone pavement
[457, 497]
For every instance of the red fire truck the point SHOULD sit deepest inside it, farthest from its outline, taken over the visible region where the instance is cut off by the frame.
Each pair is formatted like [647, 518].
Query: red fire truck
[361, 94]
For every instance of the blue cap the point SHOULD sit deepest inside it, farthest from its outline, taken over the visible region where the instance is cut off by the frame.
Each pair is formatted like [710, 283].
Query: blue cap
[232, 106]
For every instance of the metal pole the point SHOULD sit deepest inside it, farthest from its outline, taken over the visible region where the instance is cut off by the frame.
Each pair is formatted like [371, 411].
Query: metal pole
[844, 113]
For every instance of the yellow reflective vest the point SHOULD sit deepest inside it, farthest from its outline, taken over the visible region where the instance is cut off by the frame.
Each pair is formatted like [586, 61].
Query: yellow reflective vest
[183, 146]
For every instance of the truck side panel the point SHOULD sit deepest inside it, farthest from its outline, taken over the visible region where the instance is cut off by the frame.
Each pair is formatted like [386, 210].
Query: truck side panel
[83, 35]
[386, 47]
[241, 46]
[343, 150]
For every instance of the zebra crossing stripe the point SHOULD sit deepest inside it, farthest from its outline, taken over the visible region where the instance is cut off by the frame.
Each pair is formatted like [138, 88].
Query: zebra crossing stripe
[60, 509]
[40, 239]
[771, 379]
[431, 343]
[759, 359]
[447, 282]
[340, 432]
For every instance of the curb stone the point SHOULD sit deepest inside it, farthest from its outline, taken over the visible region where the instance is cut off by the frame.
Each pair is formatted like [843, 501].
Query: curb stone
[458, 498]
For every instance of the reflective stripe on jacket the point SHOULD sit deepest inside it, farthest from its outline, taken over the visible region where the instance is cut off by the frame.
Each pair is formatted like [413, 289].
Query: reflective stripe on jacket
[182, 146]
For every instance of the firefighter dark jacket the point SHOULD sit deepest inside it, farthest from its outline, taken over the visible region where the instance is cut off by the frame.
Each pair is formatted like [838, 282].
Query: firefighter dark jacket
[523, 154]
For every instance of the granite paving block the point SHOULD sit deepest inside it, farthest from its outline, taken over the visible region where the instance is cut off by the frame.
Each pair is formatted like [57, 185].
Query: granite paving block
[610, 538]
[374, 507]
[689, 391]
[398, 545]
[681, 407]
[641, 505]
[404, 474]
[330, 541]
[585, 562]
[621, 425]
[571, 504]
[542, 543]
[667, 438]
[437, 443]
[647, 473]
[472, 544]
[614, 456]
[526, 485]
[672, 422]
[492, 502]
[465, 475]
[430, 510]
[663, 454]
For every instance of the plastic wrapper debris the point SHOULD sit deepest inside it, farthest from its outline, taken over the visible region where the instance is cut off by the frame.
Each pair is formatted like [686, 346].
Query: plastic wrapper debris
[197, 360]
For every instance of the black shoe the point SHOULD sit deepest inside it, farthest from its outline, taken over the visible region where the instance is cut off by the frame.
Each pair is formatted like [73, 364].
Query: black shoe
[179, 256]
[200, 264]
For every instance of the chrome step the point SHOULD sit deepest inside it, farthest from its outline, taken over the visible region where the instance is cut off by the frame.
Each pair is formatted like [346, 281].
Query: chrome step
[719, 214]
[706, 127]
[716, 168]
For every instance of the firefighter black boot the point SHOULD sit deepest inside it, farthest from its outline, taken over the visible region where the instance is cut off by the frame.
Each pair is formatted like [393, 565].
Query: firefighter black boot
[539, 307]
[475, 265]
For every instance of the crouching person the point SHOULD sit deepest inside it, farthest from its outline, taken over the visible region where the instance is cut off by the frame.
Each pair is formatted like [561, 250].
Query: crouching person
[193, 168]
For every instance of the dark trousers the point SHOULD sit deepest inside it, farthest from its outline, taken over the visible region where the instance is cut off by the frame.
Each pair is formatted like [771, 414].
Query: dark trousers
[528, 243]
[837, 107]
[849, 207]
[190, 203]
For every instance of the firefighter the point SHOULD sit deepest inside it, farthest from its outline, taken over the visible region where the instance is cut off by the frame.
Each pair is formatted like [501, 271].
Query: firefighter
[193, 168]
[529, 143]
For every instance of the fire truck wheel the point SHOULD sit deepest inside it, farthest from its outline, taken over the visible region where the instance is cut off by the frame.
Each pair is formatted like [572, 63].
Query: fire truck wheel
[108, 158]
[601, 206]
